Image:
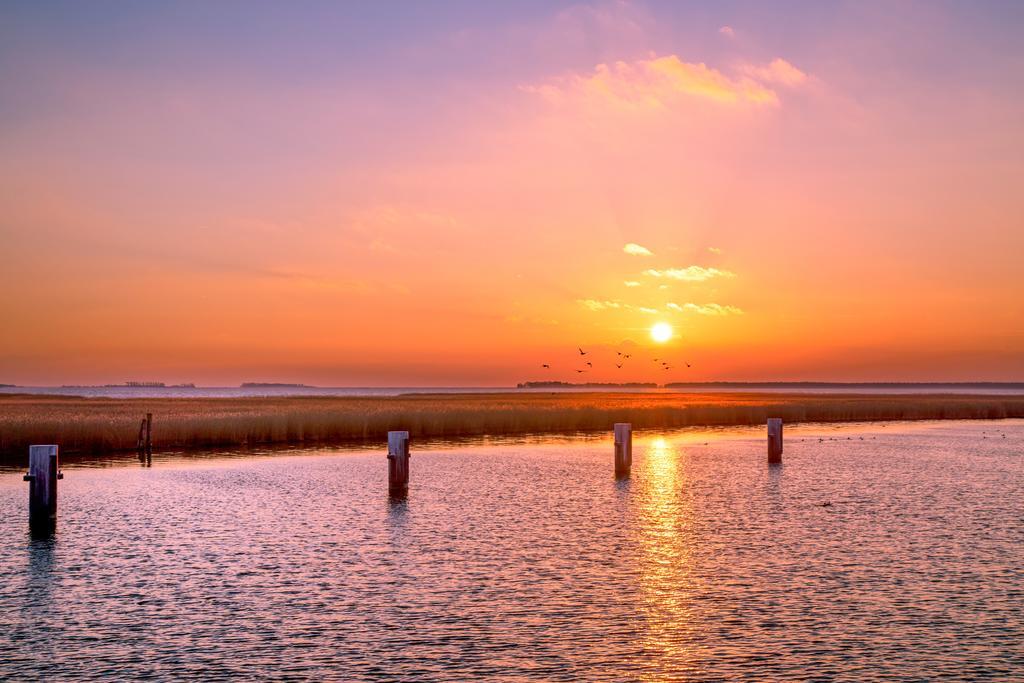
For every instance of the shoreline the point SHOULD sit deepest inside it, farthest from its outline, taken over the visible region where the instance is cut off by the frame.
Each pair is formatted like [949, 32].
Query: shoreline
[99, 425]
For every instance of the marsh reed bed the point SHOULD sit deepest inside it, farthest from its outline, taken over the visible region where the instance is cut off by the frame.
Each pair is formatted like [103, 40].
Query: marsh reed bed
[95, 425]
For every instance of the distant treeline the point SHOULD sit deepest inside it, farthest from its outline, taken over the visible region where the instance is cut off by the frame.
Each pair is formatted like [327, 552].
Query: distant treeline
[841, 385]
[554, 385]
[265, 385]
[128, 385]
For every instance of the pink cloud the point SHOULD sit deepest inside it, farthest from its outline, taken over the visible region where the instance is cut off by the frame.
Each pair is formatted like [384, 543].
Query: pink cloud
[660, 82]
[777, 71]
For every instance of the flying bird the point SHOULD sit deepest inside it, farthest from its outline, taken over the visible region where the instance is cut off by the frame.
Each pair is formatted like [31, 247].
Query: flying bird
[656, 360]
[687, 365]
[581, 371]
[625, 355]
[546, 366]
[589, 364]
[618, 365]
[582, 352]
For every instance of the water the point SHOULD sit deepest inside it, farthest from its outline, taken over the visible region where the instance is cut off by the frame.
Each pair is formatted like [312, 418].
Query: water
[983, 388]
[525, 560]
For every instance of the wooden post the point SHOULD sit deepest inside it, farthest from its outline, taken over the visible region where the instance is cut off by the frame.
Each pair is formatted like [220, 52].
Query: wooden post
[149, 434]
[398, 463]
[774, 440]
[623, 448]
[140, 443]
[43, 473]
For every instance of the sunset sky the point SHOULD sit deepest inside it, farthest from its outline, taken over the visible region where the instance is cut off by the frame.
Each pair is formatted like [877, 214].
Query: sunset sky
[454, 193]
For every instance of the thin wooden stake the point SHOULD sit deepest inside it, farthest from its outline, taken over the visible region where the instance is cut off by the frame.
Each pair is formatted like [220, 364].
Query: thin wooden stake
[140, 443]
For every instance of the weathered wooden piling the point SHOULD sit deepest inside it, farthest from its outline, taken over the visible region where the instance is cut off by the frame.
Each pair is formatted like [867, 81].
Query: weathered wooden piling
[43, 473]
[774, 440]
[140, 442]
[398, 463]
[149, 433]
[623, 448]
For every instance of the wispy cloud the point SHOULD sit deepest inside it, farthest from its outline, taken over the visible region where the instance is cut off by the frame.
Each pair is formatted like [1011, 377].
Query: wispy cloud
[631, 283]
[659, 81]
[598, 305]
[635, 249]
[690, 273]
[727, 31]
[706, 309]
[776, 71]
[595, 305]
[714, 250]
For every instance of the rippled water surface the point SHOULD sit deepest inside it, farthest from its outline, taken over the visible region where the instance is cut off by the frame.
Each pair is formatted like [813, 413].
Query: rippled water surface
[527, 560]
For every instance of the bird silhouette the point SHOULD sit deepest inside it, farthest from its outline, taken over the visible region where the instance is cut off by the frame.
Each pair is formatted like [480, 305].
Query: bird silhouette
[687, 365]
[582, 352]
[625, 355]
[618, 365]
[656, 360]
[546, 366]
[581, 371]
[589, 364]
[618, 353]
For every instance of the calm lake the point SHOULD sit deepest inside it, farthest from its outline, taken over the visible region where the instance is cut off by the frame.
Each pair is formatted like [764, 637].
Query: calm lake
[524, 559]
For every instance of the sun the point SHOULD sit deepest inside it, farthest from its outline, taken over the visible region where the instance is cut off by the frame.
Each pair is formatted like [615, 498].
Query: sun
[661, 332]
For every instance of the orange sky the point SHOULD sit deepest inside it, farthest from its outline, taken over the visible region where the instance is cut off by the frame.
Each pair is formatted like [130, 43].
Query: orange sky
[814, 194]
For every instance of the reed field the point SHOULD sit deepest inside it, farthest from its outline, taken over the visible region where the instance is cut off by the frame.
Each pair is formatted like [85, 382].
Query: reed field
[96, 425]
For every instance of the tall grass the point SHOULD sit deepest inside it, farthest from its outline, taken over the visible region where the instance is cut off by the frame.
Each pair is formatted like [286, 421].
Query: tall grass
[99, 425]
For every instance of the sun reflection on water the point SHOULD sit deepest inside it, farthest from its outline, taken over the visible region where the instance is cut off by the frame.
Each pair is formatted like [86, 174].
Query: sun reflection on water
[666, 537]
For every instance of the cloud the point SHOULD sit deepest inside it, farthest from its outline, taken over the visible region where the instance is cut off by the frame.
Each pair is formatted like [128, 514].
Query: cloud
[727, 32]
[707, 309]
[635, 249]
[690, 273]
[658, 82]
[714, 250]
[777, 71]
[595, 305]
[631, 283]
[674, 307]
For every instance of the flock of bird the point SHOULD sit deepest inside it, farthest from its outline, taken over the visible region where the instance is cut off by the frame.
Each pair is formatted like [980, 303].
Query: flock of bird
[622, 358]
